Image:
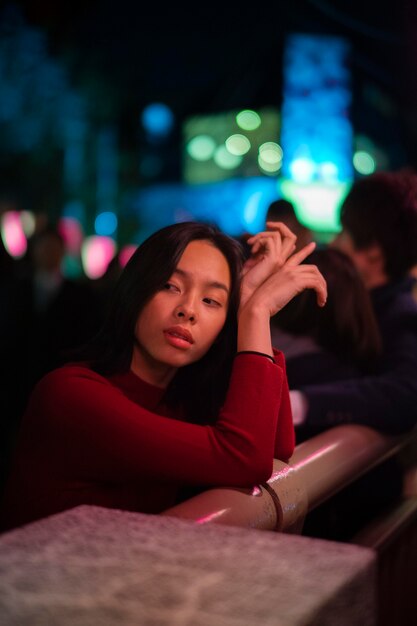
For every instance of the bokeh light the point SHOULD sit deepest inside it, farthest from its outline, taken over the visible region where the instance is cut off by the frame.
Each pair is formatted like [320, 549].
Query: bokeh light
[248, 120]
[225, 160]
[201, 148]
[302, 170]
[237, 144]
[13, 235]
[28, 222]
[316, 203]
[71, 230]
[157, 119]
[106, 223]
[363, 162]
[270, 157]
[96, 253]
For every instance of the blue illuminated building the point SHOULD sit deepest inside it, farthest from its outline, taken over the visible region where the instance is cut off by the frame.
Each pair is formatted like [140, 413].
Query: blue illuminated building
[316, 132]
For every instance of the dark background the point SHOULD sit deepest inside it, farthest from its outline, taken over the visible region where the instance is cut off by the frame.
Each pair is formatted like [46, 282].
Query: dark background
[220, 56]
[212, 58]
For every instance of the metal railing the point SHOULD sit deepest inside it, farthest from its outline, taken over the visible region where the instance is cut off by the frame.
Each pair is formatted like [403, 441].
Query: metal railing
[319, 468]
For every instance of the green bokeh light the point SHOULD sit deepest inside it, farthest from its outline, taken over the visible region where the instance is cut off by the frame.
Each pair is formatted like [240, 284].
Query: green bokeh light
[363, 162]
[225, 160]
[201, 147]
[237, 144]
[316, 204]
[248, 120]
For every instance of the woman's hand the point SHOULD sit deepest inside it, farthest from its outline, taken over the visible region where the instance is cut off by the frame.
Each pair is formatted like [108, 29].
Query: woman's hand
[288, 281]
[269, 251]
[271, 278]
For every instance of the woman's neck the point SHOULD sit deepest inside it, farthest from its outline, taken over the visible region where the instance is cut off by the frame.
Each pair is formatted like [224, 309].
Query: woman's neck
[150, 371]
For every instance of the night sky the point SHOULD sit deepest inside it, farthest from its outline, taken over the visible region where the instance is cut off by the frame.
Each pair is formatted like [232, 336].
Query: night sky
[219, 57]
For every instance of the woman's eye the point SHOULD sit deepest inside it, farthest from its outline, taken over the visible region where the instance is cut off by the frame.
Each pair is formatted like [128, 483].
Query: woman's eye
[170, 287]
[211, 302]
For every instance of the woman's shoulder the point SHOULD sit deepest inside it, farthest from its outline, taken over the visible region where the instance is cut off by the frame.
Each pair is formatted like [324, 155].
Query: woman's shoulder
[67, 373]
[65, 387]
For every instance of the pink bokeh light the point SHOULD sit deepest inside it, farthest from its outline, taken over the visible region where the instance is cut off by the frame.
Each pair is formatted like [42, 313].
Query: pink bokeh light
[12, 234]
[96, 253]
[72, 232]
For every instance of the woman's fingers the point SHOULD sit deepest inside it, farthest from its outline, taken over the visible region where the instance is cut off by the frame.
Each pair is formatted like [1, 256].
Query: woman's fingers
[309, 277]
[288, 237]
[289, 281]
[302, 254]
[281, 227]
[277, 243]
[274, 229]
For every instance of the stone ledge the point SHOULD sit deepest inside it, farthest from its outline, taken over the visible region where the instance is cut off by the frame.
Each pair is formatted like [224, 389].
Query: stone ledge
[92, 566]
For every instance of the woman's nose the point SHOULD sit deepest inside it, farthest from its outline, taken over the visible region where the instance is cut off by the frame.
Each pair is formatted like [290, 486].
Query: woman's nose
[186, 312]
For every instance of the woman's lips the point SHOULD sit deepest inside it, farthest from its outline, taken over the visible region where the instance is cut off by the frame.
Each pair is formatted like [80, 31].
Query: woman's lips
[179, 337]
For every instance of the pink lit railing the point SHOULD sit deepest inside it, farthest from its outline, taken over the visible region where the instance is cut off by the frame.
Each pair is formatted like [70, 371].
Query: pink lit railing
[319, 468]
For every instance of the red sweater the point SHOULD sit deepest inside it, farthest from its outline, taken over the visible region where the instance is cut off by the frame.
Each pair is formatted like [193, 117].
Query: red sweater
[87, 439]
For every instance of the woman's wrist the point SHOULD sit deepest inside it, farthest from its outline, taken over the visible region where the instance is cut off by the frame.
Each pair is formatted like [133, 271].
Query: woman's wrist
[267, 356]
[254, 332]
[254, 309]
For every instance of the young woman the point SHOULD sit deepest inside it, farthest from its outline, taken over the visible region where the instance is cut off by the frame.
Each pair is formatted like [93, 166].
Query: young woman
[181, 387]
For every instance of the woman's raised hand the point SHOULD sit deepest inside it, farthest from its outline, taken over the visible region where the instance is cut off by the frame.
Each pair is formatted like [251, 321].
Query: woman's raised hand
[272, 276]
[269, 251]
[288, 281]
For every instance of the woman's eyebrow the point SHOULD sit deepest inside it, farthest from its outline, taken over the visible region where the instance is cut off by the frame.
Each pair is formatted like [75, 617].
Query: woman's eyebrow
[214, 284]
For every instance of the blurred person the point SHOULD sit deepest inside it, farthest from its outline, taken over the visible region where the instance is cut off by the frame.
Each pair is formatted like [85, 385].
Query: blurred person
[337, 342]
[45, 314]
[180, 387]
[53, 313]
[379, 234]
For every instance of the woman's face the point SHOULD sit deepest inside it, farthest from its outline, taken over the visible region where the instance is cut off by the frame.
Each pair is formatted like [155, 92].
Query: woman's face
[180, 323]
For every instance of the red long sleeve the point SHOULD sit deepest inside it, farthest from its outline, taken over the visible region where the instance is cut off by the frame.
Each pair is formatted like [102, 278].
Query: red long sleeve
[285, 436]
[84, 440]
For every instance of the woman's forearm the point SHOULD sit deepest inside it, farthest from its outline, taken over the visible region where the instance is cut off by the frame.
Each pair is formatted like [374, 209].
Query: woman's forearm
[254, 330]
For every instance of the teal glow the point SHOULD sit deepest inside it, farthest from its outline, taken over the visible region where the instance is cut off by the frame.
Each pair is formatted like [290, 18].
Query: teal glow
[302, 170]
[248, 120]
[237, 144]
[201, 147]
[316, 133]
[105, 223]
[237, 205]
[328, 172]
[75, 209]
[363, 162]
[252, 209]
[316, 203]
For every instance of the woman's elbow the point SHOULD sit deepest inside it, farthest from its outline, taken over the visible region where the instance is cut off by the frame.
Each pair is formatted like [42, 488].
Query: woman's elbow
[256, 472]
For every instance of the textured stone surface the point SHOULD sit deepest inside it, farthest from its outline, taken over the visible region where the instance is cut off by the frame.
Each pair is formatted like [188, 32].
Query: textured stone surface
[97, 567]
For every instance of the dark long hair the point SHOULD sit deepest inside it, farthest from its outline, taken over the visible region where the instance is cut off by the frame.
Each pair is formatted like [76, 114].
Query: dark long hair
[199, 388]
[346, 326]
